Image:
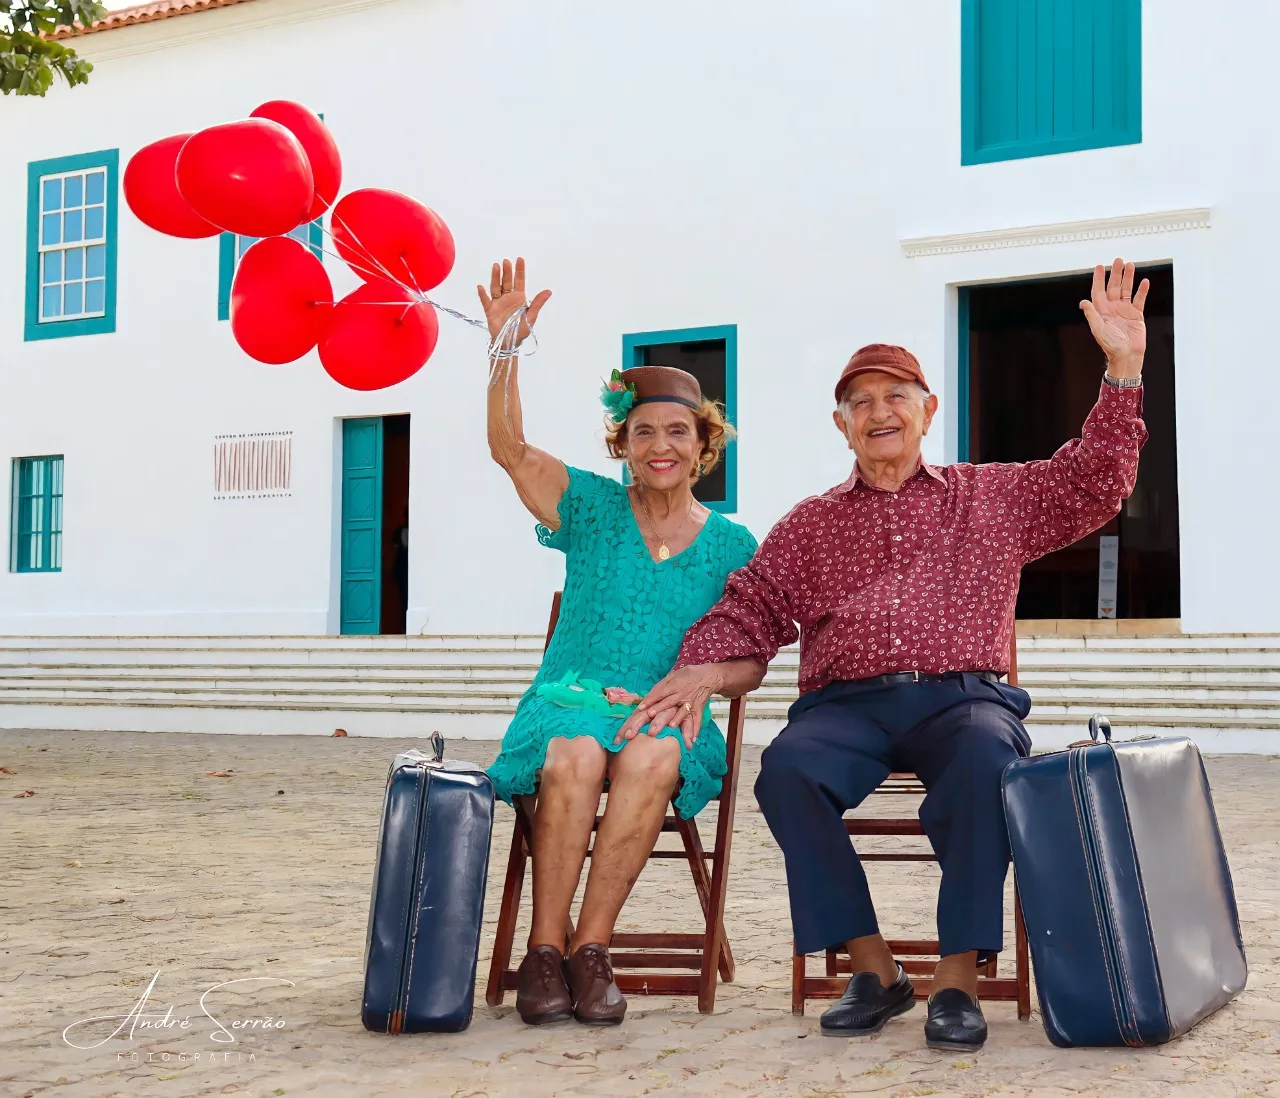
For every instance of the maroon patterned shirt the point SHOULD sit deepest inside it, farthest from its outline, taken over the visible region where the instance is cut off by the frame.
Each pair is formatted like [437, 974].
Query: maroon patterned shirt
[924, 578]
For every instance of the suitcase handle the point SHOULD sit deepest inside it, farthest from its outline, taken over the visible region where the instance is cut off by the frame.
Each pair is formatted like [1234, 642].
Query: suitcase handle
[437, 744]
[1099, 724]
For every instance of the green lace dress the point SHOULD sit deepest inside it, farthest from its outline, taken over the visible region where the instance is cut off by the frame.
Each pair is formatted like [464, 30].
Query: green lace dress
[622, 619]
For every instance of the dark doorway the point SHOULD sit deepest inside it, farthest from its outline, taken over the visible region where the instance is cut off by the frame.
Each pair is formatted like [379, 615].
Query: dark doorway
[375, 517]
[1033, 371]
[395, 523]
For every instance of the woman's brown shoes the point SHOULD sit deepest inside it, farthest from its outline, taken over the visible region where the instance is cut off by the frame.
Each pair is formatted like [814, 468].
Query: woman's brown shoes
[596, 998]
[552, 989]
[542, 995]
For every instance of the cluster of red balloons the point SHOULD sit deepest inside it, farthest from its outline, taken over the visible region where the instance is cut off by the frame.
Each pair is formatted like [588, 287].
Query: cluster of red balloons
[264, 176]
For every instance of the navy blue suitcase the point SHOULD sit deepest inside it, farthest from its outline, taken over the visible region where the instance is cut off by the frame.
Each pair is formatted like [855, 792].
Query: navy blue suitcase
[428, 895]
[1125, 889]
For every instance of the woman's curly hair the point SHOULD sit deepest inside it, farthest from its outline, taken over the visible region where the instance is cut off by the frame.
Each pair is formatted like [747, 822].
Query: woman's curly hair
[713, 429]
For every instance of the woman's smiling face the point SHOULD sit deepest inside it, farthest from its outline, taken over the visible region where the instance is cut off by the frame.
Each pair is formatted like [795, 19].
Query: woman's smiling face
[663, 445]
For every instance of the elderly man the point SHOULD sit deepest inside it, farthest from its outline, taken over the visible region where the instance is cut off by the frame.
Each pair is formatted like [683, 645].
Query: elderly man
[903, 581]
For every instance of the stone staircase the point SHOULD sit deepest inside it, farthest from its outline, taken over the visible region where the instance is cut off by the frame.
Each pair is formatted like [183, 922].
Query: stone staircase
[1224, 691]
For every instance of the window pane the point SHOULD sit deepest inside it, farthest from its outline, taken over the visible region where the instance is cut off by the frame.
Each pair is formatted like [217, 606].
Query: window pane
[94, 222]
[706, 360]
[52, 267]
[73, 191]
[55, 553]
[95, 187]
[73, 265]
[96, 264]
[51, 302]
[73, 226]
[51, 229]
[57, 483]
[51, 194]
[95, 296]
[72, 302]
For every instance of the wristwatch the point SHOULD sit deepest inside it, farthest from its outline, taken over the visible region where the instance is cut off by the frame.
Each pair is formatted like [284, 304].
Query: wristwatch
[1122, 382]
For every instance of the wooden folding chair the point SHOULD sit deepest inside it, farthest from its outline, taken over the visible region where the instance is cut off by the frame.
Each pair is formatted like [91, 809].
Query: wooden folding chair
[918, 957]
[646, 964]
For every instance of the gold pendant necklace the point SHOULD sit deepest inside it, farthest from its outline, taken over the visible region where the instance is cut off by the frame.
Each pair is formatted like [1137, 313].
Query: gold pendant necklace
[663, 552]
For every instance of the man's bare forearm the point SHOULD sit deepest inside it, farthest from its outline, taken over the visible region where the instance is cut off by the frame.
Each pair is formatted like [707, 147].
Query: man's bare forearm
[737, 677]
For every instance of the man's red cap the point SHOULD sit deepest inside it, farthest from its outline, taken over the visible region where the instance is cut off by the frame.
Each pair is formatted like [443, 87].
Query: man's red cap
[883, 358]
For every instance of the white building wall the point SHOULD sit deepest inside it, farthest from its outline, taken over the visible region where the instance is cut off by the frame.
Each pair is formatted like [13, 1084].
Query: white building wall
[662, 165]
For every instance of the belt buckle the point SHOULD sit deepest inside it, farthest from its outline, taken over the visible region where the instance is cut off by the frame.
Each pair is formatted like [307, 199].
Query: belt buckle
[915, 676]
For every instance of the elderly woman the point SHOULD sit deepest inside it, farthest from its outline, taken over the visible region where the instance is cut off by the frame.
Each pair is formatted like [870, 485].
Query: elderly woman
[644, 562]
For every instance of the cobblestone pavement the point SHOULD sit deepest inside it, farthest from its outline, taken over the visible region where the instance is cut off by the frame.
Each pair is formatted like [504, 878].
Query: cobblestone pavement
[129, 861]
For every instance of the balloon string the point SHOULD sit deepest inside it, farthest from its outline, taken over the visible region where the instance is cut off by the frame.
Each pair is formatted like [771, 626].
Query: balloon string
[502, 346]
[371, 257]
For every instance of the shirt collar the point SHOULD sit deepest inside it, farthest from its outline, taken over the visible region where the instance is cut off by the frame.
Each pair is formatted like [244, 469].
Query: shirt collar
[855, 477]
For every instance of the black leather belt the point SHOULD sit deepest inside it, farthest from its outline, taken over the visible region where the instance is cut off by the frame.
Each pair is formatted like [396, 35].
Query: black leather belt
[894, 678]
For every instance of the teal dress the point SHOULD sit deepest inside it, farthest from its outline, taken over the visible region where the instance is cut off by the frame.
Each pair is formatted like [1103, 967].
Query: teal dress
[622, 619]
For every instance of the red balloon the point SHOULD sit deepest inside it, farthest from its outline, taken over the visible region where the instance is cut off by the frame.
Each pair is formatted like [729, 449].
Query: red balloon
[250, 177]
[317, 142]
[152, 192]
[373, 346]
[385, 234]
[281, 301]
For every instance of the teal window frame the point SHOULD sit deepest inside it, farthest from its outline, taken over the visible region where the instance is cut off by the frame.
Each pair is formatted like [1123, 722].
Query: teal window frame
[230, 250]
[38, 170]
[633, 346]
[35, 525]
[1014, 62]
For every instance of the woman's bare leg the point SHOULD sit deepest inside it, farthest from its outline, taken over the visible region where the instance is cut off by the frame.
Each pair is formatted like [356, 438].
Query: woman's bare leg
[641, 778]
[568, 796]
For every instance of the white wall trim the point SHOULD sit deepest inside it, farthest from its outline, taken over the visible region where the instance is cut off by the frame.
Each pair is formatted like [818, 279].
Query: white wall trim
[1165, 221]
[197, 26]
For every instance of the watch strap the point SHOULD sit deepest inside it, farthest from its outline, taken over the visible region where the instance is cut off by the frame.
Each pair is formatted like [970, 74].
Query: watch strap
[1122, 382]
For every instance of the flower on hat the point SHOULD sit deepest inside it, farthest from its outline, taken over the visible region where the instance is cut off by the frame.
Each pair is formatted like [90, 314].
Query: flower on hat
[618, 397]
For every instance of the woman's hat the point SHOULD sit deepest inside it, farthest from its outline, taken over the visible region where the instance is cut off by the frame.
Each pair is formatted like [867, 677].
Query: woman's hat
[654, 384]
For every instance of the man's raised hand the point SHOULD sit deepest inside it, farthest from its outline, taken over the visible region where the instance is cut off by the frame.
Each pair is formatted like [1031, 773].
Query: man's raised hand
[1114, 313]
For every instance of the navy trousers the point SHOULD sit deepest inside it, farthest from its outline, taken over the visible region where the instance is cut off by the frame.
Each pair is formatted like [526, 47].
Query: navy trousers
[839, 744]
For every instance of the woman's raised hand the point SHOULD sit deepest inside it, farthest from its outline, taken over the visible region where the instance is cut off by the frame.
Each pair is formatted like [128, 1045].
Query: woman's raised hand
[505, 295]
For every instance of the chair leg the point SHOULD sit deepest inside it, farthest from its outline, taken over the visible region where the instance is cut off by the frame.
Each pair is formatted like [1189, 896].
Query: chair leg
[512, 887]
[692, 840]
[798, 964]
[1022, 962]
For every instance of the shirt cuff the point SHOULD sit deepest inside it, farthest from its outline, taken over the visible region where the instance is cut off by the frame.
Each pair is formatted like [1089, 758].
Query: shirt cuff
[1120, 404]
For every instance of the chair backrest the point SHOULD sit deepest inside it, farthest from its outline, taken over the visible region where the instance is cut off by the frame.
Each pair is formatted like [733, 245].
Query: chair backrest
[555, 617]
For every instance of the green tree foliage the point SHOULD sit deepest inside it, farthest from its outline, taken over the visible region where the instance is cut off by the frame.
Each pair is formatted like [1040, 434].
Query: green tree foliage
[28, 57]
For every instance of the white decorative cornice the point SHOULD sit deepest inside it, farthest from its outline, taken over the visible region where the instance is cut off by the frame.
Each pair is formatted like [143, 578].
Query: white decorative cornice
[164, 34]
[1165, 221]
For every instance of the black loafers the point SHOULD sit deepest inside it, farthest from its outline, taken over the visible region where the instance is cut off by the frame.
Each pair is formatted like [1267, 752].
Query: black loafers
[867, 1004]
[955, 1022]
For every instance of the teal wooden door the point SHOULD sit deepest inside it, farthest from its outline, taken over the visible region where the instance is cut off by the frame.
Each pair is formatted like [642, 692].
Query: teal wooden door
[361, 525]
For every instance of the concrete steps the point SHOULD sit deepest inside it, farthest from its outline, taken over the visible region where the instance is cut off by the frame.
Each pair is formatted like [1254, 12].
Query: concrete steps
[1224, 691]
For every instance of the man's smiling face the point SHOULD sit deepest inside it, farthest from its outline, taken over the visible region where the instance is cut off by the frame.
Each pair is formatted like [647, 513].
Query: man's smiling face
[884, 418]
